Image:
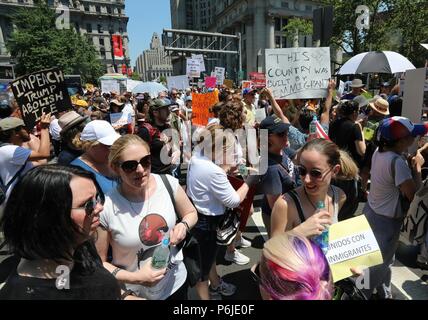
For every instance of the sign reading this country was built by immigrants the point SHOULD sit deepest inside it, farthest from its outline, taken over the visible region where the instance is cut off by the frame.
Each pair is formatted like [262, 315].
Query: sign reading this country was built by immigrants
[41, 92]
[298, 73]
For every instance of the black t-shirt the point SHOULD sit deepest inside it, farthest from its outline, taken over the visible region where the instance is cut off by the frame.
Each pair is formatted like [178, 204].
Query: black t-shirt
[156, 146]
[344, 132]
[277, 179]
[89, 280]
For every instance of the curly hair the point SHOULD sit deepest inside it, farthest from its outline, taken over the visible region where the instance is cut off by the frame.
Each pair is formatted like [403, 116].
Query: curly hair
[231, 116]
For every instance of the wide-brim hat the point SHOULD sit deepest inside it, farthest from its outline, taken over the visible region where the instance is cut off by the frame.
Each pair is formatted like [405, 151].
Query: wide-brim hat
[357, 83]
[381, 106]
[70, 120]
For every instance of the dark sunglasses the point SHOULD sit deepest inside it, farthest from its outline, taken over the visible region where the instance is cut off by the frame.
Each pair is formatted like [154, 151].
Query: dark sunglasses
[314, 173]
[132, 165]
[90, 205]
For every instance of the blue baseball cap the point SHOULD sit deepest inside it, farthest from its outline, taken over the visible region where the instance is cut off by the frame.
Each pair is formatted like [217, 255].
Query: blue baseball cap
[274, 125]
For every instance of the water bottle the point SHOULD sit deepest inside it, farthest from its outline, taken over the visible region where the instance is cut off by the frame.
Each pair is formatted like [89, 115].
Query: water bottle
[243, 170]
[161, 254]
[313, 126]
[322, 239]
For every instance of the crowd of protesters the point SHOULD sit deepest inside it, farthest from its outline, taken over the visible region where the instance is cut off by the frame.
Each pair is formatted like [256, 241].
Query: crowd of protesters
[97, 198]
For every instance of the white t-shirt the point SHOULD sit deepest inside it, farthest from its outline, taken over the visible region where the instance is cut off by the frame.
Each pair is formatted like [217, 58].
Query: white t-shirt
[384, 192]
[137, 229]
[55, 130]
[209, 188]
[12, 158]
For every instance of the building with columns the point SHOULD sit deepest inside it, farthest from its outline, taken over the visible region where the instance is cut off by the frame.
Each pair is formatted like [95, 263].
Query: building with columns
[98, 20]
[154, 63]
[260, 23]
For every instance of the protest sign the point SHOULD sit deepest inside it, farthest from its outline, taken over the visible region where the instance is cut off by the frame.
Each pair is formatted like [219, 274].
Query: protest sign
[41, 92]
[298, 73]
[210, 82]
[228, 83]
[246, 85]
[193, 68]
[120, 119]
[258, 79]
[201, 104]
[219, 74]
[260, 115]
[178, 82]
[414, 94]
[200, 58]
[110, 86]
[352, 244]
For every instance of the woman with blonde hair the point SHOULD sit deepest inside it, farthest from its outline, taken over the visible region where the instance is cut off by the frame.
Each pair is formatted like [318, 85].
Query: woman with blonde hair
[320, 161]
[293, 268]
[138, 215]
[95, 141]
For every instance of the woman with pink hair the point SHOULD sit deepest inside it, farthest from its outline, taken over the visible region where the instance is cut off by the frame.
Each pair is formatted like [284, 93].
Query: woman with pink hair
[293, 268]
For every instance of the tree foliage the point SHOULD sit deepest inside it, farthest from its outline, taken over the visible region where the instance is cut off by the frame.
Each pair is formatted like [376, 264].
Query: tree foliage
[37, 44]
[298, 27]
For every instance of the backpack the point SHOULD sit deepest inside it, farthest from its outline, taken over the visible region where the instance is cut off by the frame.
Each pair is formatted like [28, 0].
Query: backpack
[415, 223]
[154, 132]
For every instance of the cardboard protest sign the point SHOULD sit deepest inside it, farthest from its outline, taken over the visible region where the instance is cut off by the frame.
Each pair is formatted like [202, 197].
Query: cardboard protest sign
[246, 85]
[120, 119]
[219, 74]
[201, 103]
[110, 86]
[298, 73]
[228, 83]
[200, 58]
[178, 82]
[258, 79]
[193, 68]
[352, 244]
[260, 115]
[41, 92]
[414, 94]
[210, 82]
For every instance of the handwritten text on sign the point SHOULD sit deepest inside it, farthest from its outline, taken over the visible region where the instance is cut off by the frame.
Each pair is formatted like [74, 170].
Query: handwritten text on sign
[298, 73]
[351, 247]
[41, 92]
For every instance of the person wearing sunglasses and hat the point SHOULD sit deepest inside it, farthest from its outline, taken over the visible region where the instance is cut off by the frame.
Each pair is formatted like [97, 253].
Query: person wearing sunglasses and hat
[249, 99]
[138, 214]
[49, 221]
[393, 183]
[320, 161]
[357, 88]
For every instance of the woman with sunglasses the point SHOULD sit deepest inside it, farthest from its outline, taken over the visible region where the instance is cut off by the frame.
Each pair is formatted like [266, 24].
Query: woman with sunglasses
[49, 220]
[293, 268]
[320, 161]
[138, 214]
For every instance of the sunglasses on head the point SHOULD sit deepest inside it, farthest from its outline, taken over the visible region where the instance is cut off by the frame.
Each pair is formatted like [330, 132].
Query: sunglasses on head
[90, 205]
[314, 173]
[132, 165]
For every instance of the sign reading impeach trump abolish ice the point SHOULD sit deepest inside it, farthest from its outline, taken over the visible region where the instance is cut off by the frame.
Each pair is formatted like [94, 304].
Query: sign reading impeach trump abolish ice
[298, 73]
[41, 92]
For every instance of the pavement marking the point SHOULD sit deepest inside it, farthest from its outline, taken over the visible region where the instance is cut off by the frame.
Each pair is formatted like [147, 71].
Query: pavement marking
[258, 221]
[408, 283]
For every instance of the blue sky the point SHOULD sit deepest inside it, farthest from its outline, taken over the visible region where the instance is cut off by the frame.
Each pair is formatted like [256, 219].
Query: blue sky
[145, 17]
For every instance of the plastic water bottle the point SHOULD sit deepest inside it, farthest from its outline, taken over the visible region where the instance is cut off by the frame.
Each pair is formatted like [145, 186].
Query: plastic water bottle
[161, 254]
[313, 126]
[322, 239]
[243, 170]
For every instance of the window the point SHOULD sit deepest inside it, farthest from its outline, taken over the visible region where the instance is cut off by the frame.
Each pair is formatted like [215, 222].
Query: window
[284, 23]
[98, 9]
[89, 28]
[86, 8]
[109, 10]
[100, 29]
[102, 42]
[77, 27]
[103, 53]
[284, 42]
[277, 24]
[120, 30]
[284, 4]
[277, 42]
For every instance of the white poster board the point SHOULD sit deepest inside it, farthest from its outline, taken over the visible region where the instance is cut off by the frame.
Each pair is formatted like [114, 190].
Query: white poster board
[110, 86]
[193, 69]
[200, 58]
[219, 73]
[298, 73]
[414, 94]
[178, 82]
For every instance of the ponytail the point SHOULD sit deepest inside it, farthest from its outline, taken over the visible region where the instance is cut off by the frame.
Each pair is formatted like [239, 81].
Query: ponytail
[348, 168]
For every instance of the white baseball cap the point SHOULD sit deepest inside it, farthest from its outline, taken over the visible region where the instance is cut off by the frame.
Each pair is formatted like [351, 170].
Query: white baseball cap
[101, 131]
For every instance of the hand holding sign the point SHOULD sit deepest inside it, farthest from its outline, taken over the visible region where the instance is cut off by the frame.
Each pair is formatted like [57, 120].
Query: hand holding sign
[45, 121]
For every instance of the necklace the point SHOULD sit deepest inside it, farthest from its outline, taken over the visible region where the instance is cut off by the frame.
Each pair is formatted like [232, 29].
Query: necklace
[312, 204]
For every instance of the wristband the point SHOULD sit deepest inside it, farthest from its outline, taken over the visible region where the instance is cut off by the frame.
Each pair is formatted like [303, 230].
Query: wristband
[186, 224]
[115, 271]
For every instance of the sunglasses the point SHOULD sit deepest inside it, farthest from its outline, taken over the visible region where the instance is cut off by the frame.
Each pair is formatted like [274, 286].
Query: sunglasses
[90, 205]
[314, 173]
[132, 165]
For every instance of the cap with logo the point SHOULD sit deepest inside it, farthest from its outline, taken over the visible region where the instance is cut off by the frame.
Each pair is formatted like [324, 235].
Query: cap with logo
[274, 125]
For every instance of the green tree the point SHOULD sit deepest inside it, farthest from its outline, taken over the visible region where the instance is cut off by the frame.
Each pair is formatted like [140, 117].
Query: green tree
[298, 27]
[162, 79]
[136, 76]
[37, 44]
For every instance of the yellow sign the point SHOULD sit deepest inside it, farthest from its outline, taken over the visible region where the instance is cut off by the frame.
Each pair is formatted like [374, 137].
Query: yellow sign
[352, 244]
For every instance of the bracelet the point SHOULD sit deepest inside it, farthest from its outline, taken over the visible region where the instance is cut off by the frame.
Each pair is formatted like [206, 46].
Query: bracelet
[115, 271]
[127, 293]
[186, 224]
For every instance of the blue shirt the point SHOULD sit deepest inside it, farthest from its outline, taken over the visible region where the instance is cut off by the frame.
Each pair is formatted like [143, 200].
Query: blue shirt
[106, 184]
